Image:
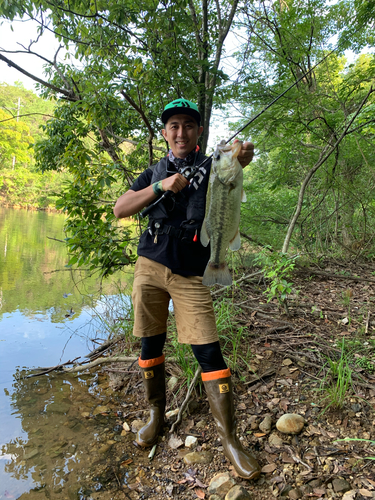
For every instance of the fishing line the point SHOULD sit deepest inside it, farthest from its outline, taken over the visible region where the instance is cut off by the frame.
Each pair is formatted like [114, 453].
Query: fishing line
[194, 171]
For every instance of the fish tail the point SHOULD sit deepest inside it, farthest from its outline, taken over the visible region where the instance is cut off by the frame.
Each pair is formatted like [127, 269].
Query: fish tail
[217, 274]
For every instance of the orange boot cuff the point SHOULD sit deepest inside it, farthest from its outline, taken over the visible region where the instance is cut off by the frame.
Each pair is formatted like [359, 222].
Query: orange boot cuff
[148, 363]
[216, 375]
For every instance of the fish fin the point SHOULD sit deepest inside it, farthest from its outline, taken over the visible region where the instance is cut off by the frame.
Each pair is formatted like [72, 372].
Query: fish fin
[243, 196]
[205, 239]
[235, 244]
[217, 275]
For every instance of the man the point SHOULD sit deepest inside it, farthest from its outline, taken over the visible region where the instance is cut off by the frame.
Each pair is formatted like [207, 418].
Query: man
[170, 265]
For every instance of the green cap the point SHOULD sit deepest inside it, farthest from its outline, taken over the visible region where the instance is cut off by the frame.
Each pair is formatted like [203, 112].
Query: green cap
[181, 107]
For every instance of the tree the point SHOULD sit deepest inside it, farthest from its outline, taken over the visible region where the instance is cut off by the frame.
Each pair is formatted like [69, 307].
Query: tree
[306, 141]
[125, 60]
[134, 57]
[24, 105]
[15, 140]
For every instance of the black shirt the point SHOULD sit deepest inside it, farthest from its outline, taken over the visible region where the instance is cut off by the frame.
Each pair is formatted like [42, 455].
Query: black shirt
[182, 256]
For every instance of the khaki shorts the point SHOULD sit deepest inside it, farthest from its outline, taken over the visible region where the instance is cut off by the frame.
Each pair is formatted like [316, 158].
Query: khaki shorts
[154, 285]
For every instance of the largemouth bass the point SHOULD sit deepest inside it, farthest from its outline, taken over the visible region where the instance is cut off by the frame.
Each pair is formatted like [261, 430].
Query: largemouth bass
[222, 217]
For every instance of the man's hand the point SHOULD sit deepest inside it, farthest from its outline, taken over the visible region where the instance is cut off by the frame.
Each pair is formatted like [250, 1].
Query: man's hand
[246, 154]
[175, 183]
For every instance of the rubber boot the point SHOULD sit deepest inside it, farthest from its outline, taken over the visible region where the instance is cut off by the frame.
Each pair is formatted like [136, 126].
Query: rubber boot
[219, 390]
[153, 375]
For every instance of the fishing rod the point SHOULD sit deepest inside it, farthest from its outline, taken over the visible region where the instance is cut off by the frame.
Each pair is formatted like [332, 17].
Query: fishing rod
[193, 171]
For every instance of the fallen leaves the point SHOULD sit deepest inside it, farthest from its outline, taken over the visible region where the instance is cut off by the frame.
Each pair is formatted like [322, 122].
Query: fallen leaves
[267, 469]
[175, 442]
[126, 462]
[199, 493]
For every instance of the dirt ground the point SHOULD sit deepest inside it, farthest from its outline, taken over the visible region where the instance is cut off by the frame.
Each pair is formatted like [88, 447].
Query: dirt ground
[293, 367]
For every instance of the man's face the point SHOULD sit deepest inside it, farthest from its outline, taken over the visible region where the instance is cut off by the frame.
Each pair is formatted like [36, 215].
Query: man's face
[181, 132]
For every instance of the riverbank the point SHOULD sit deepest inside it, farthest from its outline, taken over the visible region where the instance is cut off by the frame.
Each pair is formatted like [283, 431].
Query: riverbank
[318, 362]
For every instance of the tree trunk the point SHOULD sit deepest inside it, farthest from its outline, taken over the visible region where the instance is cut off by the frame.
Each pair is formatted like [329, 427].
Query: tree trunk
[326, 153]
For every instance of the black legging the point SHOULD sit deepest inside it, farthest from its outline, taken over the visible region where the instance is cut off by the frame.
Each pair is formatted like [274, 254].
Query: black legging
[209, 356]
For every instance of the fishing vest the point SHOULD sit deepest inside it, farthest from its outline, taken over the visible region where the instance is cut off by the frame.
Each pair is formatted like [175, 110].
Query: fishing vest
[193, 203]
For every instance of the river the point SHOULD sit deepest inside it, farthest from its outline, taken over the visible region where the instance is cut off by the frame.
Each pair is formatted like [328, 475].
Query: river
[48, 316]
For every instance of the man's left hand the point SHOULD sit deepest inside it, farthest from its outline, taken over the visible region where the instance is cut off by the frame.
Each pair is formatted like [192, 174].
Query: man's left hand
[246, 154]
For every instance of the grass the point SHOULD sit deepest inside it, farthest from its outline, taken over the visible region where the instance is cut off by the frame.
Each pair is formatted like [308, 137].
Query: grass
[358, 439]
[338, 380]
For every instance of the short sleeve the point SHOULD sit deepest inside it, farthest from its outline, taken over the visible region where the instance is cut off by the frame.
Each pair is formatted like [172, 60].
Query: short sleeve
[143, 181]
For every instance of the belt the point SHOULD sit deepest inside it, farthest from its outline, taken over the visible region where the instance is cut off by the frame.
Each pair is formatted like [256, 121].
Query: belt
[171, 230]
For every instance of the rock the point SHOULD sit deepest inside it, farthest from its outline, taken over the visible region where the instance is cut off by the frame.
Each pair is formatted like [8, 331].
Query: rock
[60, 407]
[221, 484]
[201, 424]
[307, 489]
[175, 442]
[117, 380]
[315, 483]
[290, 423]
[267, 469]
[214, 497]
[195, 457]
[85, 414]
[266, 424]
[238, 493]
[103, 449]
[295, 494]
[340, 485]
[275, 440]
[253, 422]
[172, 383]
[350, 495]
[31, 454]
[136, 425]
[100, 409]
[191, 442]
[126, 427]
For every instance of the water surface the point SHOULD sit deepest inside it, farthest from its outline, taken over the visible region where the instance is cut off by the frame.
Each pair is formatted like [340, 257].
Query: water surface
[48, 316]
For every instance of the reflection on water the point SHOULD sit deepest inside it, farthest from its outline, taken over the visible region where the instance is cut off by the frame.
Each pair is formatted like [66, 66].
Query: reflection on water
[71, 428]
[49, 437]
[33, 276]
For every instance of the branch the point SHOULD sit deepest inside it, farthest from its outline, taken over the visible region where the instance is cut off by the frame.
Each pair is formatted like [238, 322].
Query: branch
[68, 94]
[13, 117]
[145, 121]
[323, 157]
[186, 400]
[26, 51]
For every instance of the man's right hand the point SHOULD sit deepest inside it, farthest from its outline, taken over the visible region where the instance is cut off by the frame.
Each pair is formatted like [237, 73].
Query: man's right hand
[175, 183]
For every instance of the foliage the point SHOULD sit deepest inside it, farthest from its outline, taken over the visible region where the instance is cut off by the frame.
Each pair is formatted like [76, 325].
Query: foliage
[31, 109]
[277, 269]
[15, 140]
[312, 183]
[24, 188]
[21, 114]
[117, 76]
[301, 129]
